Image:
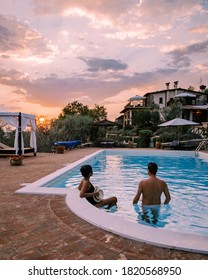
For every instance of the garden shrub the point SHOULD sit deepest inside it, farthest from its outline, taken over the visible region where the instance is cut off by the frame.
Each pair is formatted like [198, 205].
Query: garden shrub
[144, 138]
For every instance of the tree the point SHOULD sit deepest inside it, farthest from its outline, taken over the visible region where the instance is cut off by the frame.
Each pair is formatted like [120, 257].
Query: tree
[43, 123]
[74, 108]
[155, 118]
[144, 139]
[144, 119]
[1, 133]
[77, 108]
[173, 111]
[71, 127]
[98, 113]
[141, 118]
[191, 88]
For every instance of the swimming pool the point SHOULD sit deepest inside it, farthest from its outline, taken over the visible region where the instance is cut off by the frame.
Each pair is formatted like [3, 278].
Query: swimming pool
[119, 172]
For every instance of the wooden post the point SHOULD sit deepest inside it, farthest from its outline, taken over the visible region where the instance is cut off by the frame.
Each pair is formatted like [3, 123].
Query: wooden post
[20, 134]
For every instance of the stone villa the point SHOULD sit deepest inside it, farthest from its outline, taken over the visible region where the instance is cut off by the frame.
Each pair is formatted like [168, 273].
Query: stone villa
[194, 103]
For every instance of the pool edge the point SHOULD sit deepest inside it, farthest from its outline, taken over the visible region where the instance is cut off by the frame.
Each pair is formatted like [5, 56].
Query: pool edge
[35, 188]
[149, 235]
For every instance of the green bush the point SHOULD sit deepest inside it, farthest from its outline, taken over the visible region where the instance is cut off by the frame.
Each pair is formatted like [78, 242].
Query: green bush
[144, 138]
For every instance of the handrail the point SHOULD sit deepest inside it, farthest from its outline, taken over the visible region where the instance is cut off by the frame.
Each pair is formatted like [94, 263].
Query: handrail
[201, 144]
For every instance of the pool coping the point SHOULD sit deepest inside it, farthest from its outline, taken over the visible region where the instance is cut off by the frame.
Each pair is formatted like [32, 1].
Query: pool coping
[155, 236]
[36, 187]
[114, 224]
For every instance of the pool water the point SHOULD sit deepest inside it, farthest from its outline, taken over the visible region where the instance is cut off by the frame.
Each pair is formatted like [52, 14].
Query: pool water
[118, 174]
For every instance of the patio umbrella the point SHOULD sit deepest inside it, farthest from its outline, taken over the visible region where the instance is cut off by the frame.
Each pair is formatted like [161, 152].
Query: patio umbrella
[185, 94]
[136, 98]
[177, 122]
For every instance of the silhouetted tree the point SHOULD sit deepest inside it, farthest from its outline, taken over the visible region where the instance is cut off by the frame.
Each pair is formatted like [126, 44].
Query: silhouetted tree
[71, 127]
[191, 88]
[74, 108]
[173, 111]
[77, 108]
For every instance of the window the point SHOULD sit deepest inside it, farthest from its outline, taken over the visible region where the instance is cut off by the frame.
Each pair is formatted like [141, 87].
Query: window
[160, 100]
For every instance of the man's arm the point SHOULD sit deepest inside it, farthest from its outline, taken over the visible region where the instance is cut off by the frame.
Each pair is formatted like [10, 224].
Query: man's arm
[167, 195]
[138, 194]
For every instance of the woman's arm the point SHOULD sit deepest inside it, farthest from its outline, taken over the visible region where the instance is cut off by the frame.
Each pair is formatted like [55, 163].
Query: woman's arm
[83, 187]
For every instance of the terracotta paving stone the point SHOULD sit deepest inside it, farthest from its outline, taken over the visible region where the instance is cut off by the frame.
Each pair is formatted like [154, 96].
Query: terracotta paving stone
[42, 227]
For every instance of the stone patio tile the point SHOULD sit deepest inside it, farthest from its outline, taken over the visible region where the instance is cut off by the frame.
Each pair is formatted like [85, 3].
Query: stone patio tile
[42, 226]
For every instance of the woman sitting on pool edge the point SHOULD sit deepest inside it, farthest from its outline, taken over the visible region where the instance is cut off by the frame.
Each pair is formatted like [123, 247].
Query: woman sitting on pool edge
[88, 191]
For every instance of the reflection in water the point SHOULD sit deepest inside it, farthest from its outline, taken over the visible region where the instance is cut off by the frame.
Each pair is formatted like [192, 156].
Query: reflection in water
[150, 214]
[113, 209]
[118, 174]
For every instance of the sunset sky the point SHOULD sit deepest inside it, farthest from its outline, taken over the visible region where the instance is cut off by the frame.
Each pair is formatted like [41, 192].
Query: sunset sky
[98, 51]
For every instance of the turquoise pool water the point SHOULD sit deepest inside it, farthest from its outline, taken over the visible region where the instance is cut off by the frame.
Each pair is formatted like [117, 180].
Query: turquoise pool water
[118, 173]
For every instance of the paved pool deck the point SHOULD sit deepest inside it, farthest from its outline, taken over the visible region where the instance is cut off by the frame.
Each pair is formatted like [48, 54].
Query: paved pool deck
[43, 227]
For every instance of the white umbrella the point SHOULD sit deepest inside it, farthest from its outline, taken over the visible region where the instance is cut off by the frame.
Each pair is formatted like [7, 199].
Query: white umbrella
[136, 98]
[178, 122]
[185, 94]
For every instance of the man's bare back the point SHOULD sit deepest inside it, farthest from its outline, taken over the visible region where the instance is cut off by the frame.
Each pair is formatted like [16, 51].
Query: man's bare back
[152, 188]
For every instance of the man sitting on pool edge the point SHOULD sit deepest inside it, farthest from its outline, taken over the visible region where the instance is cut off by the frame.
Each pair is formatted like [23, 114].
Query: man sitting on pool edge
[88, 191]
[152, 188]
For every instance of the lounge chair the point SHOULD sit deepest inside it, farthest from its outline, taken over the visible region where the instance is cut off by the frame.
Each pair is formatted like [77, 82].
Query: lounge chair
[190, 145]
[87, 144]
[3, 146]
[69, 145]
[174, 145]
[107, 144]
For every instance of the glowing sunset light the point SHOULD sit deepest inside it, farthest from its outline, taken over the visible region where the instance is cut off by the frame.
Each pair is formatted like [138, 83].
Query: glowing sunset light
[98, 52]
[41, 120]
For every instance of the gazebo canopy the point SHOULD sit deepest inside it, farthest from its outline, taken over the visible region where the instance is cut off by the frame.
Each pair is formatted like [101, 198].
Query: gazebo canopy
[20, 121]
